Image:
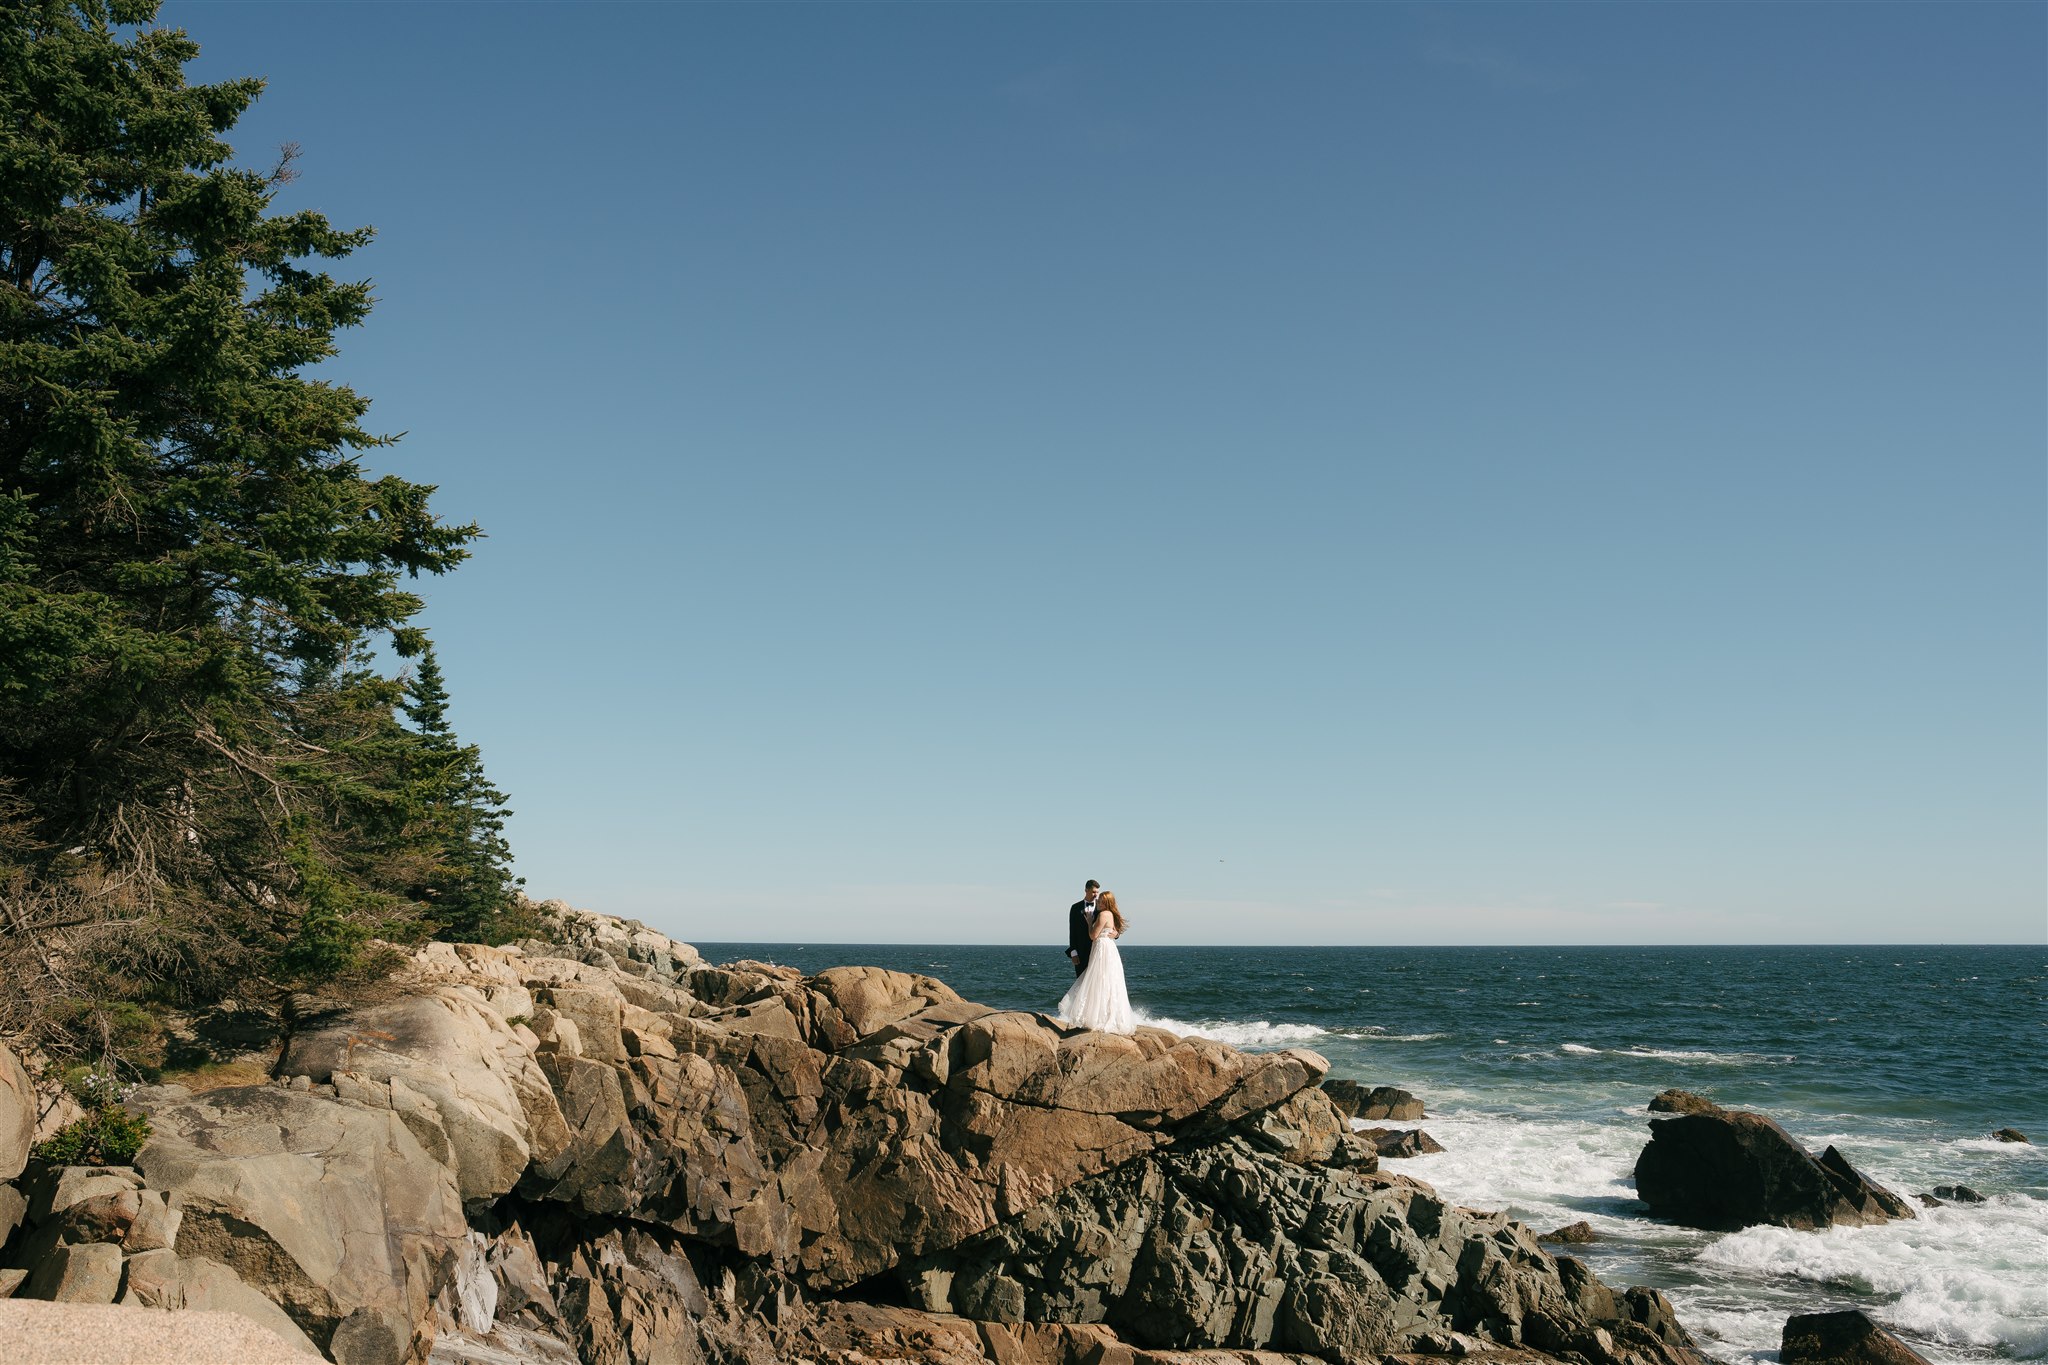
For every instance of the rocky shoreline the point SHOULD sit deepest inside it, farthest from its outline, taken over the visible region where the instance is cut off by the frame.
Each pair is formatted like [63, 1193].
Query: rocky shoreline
[598, 1147]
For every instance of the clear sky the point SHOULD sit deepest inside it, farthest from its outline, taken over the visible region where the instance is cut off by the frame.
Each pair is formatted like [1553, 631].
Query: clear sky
[1538, 473]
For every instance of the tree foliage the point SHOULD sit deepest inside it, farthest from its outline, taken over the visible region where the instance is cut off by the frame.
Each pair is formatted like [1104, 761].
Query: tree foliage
[203, 782]
[470, 888]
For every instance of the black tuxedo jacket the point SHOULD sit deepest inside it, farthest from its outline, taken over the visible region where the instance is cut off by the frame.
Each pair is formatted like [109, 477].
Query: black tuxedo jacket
[1077, 932]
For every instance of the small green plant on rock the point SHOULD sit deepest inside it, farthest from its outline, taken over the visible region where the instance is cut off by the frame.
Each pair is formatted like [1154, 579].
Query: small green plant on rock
[108, 1136]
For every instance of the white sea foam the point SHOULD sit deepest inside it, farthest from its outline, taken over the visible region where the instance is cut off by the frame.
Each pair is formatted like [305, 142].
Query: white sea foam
[1263, 1033]
[1958, 1282]
[1962, 1277]
[1544, 1171]
[1711, 1058]
[1683, 1055]
[1244, 1033]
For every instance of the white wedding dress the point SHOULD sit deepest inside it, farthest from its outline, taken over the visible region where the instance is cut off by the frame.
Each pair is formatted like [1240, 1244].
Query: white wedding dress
[1098, 999]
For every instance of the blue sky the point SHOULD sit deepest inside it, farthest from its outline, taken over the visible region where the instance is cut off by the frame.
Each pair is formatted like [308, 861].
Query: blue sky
[1346, 474]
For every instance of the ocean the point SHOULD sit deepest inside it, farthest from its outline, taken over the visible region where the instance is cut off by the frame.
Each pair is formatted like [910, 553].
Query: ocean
[1535, 1064]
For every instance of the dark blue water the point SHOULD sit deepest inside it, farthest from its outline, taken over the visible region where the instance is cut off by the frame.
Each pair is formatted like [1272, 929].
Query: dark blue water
[1535, 1064]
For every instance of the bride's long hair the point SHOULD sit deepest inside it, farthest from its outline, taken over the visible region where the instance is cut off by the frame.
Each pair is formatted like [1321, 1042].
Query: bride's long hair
[1107, 901]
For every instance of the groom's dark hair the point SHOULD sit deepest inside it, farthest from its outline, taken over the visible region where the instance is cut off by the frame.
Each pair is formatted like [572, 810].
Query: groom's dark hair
[1093, 885]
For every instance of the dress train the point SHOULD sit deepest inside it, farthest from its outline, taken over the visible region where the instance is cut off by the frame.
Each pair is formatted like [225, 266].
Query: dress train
[1098, 999]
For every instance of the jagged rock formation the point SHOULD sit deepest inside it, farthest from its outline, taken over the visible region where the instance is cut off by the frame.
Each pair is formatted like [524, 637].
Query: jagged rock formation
[602, 1149]
[1228, 1244]
[1727, 1168]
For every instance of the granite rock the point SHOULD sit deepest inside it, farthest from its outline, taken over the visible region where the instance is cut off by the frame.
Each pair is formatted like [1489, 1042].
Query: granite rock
[1399, 1142]
[17, 1115]
[333, 1210]
[1225, 1245]
[1732, 1169]
[1379, 1103]
[1572, 1234]
[593, 1146]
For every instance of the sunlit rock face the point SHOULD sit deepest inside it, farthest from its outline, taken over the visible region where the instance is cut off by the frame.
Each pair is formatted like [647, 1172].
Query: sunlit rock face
[598, 1147]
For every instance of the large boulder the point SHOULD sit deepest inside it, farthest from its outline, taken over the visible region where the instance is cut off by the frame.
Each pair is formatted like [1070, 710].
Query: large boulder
[1848, 1337]
[1730, 1169]
[493, 1107]
[852, 1003]
[334, 1211]
[76, 1274]
[75, 1333]
[931, 1129]
[164, 1280]
[17, 1115]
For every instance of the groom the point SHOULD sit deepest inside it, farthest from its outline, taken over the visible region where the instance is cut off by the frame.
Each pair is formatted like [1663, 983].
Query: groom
[1080, 918]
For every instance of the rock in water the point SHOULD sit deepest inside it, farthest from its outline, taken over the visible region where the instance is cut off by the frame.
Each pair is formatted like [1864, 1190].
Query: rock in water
[1682, 1102]
[1577, 1233]
[1959, 1194]
[1845, 1338]
[1863, 1193]
[1398, 1142]
[2010, 1135]
[1732, 1169]
[1381, 1102]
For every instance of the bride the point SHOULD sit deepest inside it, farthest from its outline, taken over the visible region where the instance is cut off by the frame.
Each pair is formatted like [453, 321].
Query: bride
[1098, 1000]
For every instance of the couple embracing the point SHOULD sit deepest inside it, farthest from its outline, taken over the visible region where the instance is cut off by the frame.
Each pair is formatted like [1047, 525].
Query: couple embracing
[1098, 999]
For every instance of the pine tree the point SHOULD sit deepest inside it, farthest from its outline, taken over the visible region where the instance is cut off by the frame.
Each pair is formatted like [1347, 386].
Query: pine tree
[472, 896]
[194, 562]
